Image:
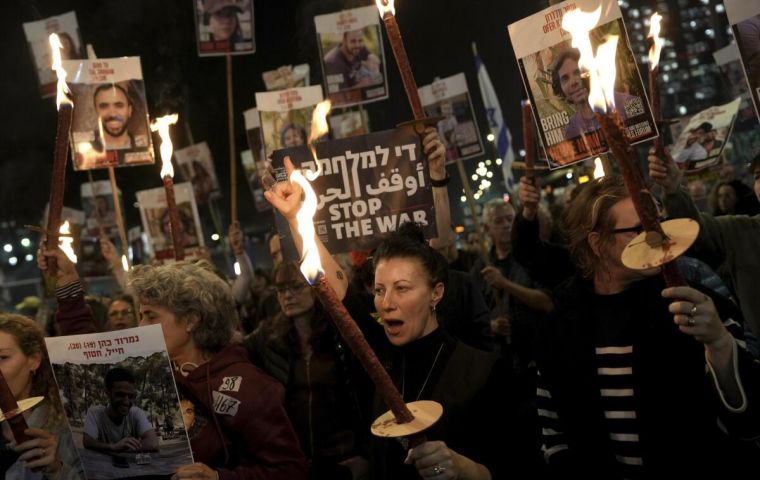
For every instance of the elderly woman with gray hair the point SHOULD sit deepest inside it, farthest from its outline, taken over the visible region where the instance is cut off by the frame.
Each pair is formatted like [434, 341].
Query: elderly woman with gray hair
[241, 429]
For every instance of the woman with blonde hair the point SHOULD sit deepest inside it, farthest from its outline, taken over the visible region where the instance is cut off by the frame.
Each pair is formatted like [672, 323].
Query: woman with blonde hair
[50, 451]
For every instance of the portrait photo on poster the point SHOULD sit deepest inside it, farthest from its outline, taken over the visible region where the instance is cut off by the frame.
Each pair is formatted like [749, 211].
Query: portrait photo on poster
[285, 116]
[559, 90]
[224, 27]
[458, 130]
[703, 137]
[197, 167]
[110, 124]
[352, 56]
[37, 37]
[157, 224]
[121, 403]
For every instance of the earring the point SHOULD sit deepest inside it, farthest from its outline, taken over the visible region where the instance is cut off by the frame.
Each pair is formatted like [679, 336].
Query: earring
[432, 308]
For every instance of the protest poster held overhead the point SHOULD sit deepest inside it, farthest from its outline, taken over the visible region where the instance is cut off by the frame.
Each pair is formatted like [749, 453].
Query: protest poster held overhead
[156, 223]
[110, 125]
[369, 186]
[66, 27]
[353, 60]
[349, 124]
[197, 167]
[558, 90]
[94, 372]
[287, 76]
[224, 27]
[449, 98]
[744, 18]
[704, 137]
[285, 116]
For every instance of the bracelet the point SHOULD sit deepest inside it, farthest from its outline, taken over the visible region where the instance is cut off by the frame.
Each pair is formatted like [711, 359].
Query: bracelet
[441, 183]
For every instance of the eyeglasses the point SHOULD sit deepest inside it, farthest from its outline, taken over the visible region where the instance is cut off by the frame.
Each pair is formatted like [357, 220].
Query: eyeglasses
[637, 229]
[121, 313]
[291, 288]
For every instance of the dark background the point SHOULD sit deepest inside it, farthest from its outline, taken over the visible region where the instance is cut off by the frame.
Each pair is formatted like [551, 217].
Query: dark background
[437, 34]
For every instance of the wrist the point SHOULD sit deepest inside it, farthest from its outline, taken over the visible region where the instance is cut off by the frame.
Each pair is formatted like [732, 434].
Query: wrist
[437, 175]
[443, 182]
[529, 213]
[723, 345]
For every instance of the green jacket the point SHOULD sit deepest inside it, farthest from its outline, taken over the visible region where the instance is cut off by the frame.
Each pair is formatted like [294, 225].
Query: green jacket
[732, 241]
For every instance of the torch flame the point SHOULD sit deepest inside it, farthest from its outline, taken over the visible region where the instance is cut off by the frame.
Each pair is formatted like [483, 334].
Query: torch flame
[311, 266]
[386, 6]
[600, 68]
[657, 40]
[598, 168]
[65, 243]
[319, 127]
[161, 125]
[63, 89]
[124, 263]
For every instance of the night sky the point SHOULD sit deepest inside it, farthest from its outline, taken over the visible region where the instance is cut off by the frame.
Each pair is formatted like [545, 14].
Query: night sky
[437, 33]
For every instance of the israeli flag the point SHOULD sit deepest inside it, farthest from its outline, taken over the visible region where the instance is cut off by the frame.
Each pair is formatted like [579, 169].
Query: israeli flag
[499, 129]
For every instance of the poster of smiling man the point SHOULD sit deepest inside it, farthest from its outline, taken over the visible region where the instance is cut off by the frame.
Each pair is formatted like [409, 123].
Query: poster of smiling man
[110, 125]
[353, 61]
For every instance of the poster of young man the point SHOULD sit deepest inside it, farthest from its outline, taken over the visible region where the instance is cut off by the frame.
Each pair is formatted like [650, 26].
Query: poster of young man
[348, 124]
[369, 186]
[197, 167]
[121, 402]
[450, 99]
[110, 125]
[37, 36]
[353, 60]
[156, 223]
[559, 91]
[744, 18]
[287, 76]
[224, 27]
[285, 116]
[704, 137]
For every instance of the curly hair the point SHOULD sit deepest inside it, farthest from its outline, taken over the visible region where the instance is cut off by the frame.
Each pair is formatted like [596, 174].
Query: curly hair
[186, 289]
[570, 53]
[30, 339]
[590, 212]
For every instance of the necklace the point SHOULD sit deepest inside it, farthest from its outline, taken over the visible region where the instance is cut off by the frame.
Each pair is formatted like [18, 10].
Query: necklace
[424, 384]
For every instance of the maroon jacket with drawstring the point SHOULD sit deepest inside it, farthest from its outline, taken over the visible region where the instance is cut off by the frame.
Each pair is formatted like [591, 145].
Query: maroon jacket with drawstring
[245, 433]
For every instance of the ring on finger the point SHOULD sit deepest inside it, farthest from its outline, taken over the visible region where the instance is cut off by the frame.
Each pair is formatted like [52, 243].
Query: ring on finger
[693, 310]
[437, 469]
[691, 321]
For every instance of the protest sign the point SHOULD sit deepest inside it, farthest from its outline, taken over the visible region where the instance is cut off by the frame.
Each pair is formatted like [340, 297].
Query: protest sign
[704, 137]
[156, 223]
[286, 76]
[110, 125]
[559, 92]
[285, 116]
[37, 36]
[197, 167]
[137, 358]
[224, 27]
[353, 60]
[369, 186]
[458, 130]
[744, 18]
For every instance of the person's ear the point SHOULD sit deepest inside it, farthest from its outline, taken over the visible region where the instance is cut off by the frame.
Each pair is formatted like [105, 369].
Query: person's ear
[595, 242]
[436, 295]
[192, 322]
[34, 361]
